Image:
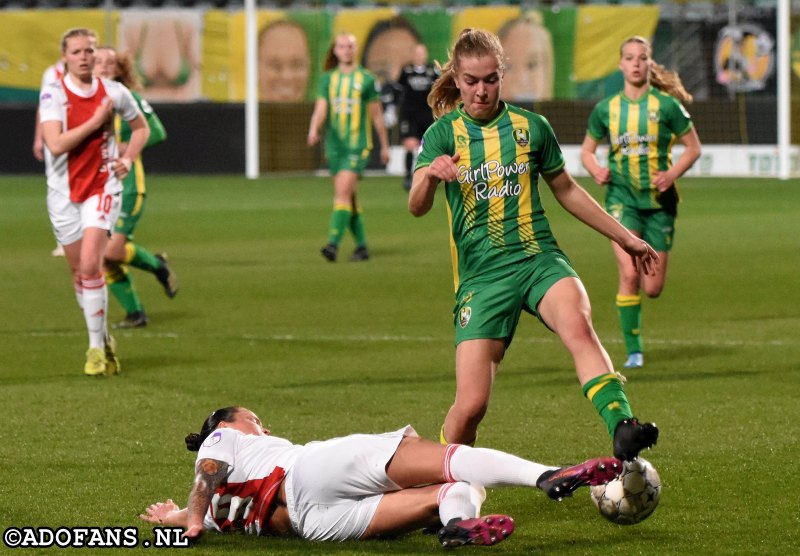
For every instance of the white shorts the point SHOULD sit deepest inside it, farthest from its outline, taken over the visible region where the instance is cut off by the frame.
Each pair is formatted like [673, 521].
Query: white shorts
[70, 219]
[334, 487]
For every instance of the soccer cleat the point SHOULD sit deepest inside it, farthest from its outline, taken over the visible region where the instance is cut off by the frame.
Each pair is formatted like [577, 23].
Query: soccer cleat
[360, 254]
[407, 183]
[560, 483]
[113, 366]
[631, 437]
[329, 252]
[484, 531]
[165, 276]
[634, 361]
[58, 251]
[137, 319]
[95, 362]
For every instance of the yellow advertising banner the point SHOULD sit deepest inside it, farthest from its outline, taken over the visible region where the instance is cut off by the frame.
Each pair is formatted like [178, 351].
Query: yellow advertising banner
[32, 41]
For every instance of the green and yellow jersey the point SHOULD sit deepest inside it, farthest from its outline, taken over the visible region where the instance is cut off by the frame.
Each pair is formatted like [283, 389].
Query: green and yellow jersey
[349, 127]
[134, 181]
[494, 210]
[641, 134]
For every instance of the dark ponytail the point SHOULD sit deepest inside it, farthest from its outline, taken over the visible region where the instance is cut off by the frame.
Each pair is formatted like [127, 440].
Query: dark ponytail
[195, 440]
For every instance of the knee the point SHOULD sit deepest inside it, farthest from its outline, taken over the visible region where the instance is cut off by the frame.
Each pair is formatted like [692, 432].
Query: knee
[653, 290]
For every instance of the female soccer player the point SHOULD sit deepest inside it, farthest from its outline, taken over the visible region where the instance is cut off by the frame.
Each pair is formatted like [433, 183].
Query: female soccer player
[360, 486]
[348, 100]
[83, 178]
[121, 250]
[642, 122]
[505, 259]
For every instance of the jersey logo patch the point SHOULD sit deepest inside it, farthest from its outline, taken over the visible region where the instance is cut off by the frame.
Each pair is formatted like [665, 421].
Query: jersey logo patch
[652, 115]
[464, 315]
[461, 140]
[522, 137]
[213, 439]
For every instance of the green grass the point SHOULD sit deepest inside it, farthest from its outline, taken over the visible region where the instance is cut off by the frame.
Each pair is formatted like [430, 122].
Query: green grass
[320, 350]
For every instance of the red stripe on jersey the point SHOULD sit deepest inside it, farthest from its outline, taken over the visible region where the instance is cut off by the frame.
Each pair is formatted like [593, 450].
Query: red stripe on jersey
[86, 163]
[246, 505]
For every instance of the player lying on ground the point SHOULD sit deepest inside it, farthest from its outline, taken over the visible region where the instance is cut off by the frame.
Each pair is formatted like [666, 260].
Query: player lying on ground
[360, 486]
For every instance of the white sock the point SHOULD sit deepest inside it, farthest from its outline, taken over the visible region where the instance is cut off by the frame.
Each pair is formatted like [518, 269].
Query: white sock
[460, 500]
[95, 307]
[490, 468]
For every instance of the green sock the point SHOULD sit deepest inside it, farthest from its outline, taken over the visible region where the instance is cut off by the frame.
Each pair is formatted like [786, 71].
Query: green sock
[608, 396]
[629, 310]
[357, 227]
[339, 221]
[121, 287]
[139, 257]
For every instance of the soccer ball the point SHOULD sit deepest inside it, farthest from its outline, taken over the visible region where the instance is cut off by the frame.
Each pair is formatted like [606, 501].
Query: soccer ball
[631, 497]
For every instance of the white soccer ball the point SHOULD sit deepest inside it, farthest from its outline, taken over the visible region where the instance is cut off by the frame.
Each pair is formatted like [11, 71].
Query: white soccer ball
[630, 498]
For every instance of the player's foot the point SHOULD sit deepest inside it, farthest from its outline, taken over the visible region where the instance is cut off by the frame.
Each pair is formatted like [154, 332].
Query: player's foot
[165, 276]
[560, 483]
[95, 362]
[485, 531]
[113, 366]
[58, 251]
[137, 319]
[631, 437]
[360, 254]
[634, 361]
[329, 252]
[407, 183]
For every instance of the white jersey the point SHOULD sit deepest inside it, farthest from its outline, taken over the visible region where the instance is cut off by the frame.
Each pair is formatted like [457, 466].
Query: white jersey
[258, 464]
[52, 74]
[85, 170]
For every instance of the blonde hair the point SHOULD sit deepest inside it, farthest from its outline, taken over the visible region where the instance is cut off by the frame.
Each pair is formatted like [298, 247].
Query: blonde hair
[660, 77]
[125, 73]
[76, 32]
[471, 43]
[331, 61]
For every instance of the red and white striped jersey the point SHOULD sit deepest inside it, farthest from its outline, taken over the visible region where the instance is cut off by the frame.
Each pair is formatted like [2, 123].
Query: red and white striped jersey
[258, 464]
[85, 170]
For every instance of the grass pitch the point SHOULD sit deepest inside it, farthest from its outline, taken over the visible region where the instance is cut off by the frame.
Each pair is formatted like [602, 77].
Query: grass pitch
[320, 350]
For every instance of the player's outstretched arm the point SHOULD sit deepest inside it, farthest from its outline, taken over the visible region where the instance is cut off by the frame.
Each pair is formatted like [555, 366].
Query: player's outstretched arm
[166, 513]
[209, 474]
[582, 206]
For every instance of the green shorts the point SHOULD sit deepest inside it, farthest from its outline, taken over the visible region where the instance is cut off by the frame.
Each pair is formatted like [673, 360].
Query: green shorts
[489, 306]
[129, 214]
[343, 159]
[655, 226]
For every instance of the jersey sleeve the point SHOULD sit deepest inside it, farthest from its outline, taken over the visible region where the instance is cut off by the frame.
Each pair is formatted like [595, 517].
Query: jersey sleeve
[678, 118]
[50, 108]
[124, 103]
[157, 132]
[597, 127]
[551, 157]
[435, 142]
[324, 84]
[220, 445]
[370, 90]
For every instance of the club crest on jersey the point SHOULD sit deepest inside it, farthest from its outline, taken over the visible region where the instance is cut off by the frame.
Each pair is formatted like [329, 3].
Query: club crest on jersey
[213, 439]
[464, 315]
[522, 137]
[652, 115]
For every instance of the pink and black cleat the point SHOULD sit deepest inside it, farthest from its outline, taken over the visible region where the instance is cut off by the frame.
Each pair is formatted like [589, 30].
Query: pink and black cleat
[560, 483]
[483, 531]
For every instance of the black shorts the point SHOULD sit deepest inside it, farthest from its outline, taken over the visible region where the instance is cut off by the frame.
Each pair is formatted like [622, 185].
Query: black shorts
[414, 127]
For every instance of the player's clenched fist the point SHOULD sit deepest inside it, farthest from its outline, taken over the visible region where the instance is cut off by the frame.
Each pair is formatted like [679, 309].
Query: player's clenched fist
[444, 167]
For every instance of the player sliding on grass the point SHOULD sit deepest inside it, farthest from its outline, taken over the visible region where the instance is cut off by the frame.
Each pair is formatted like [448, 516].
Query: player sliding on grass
[361, 486]
[505, 258]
